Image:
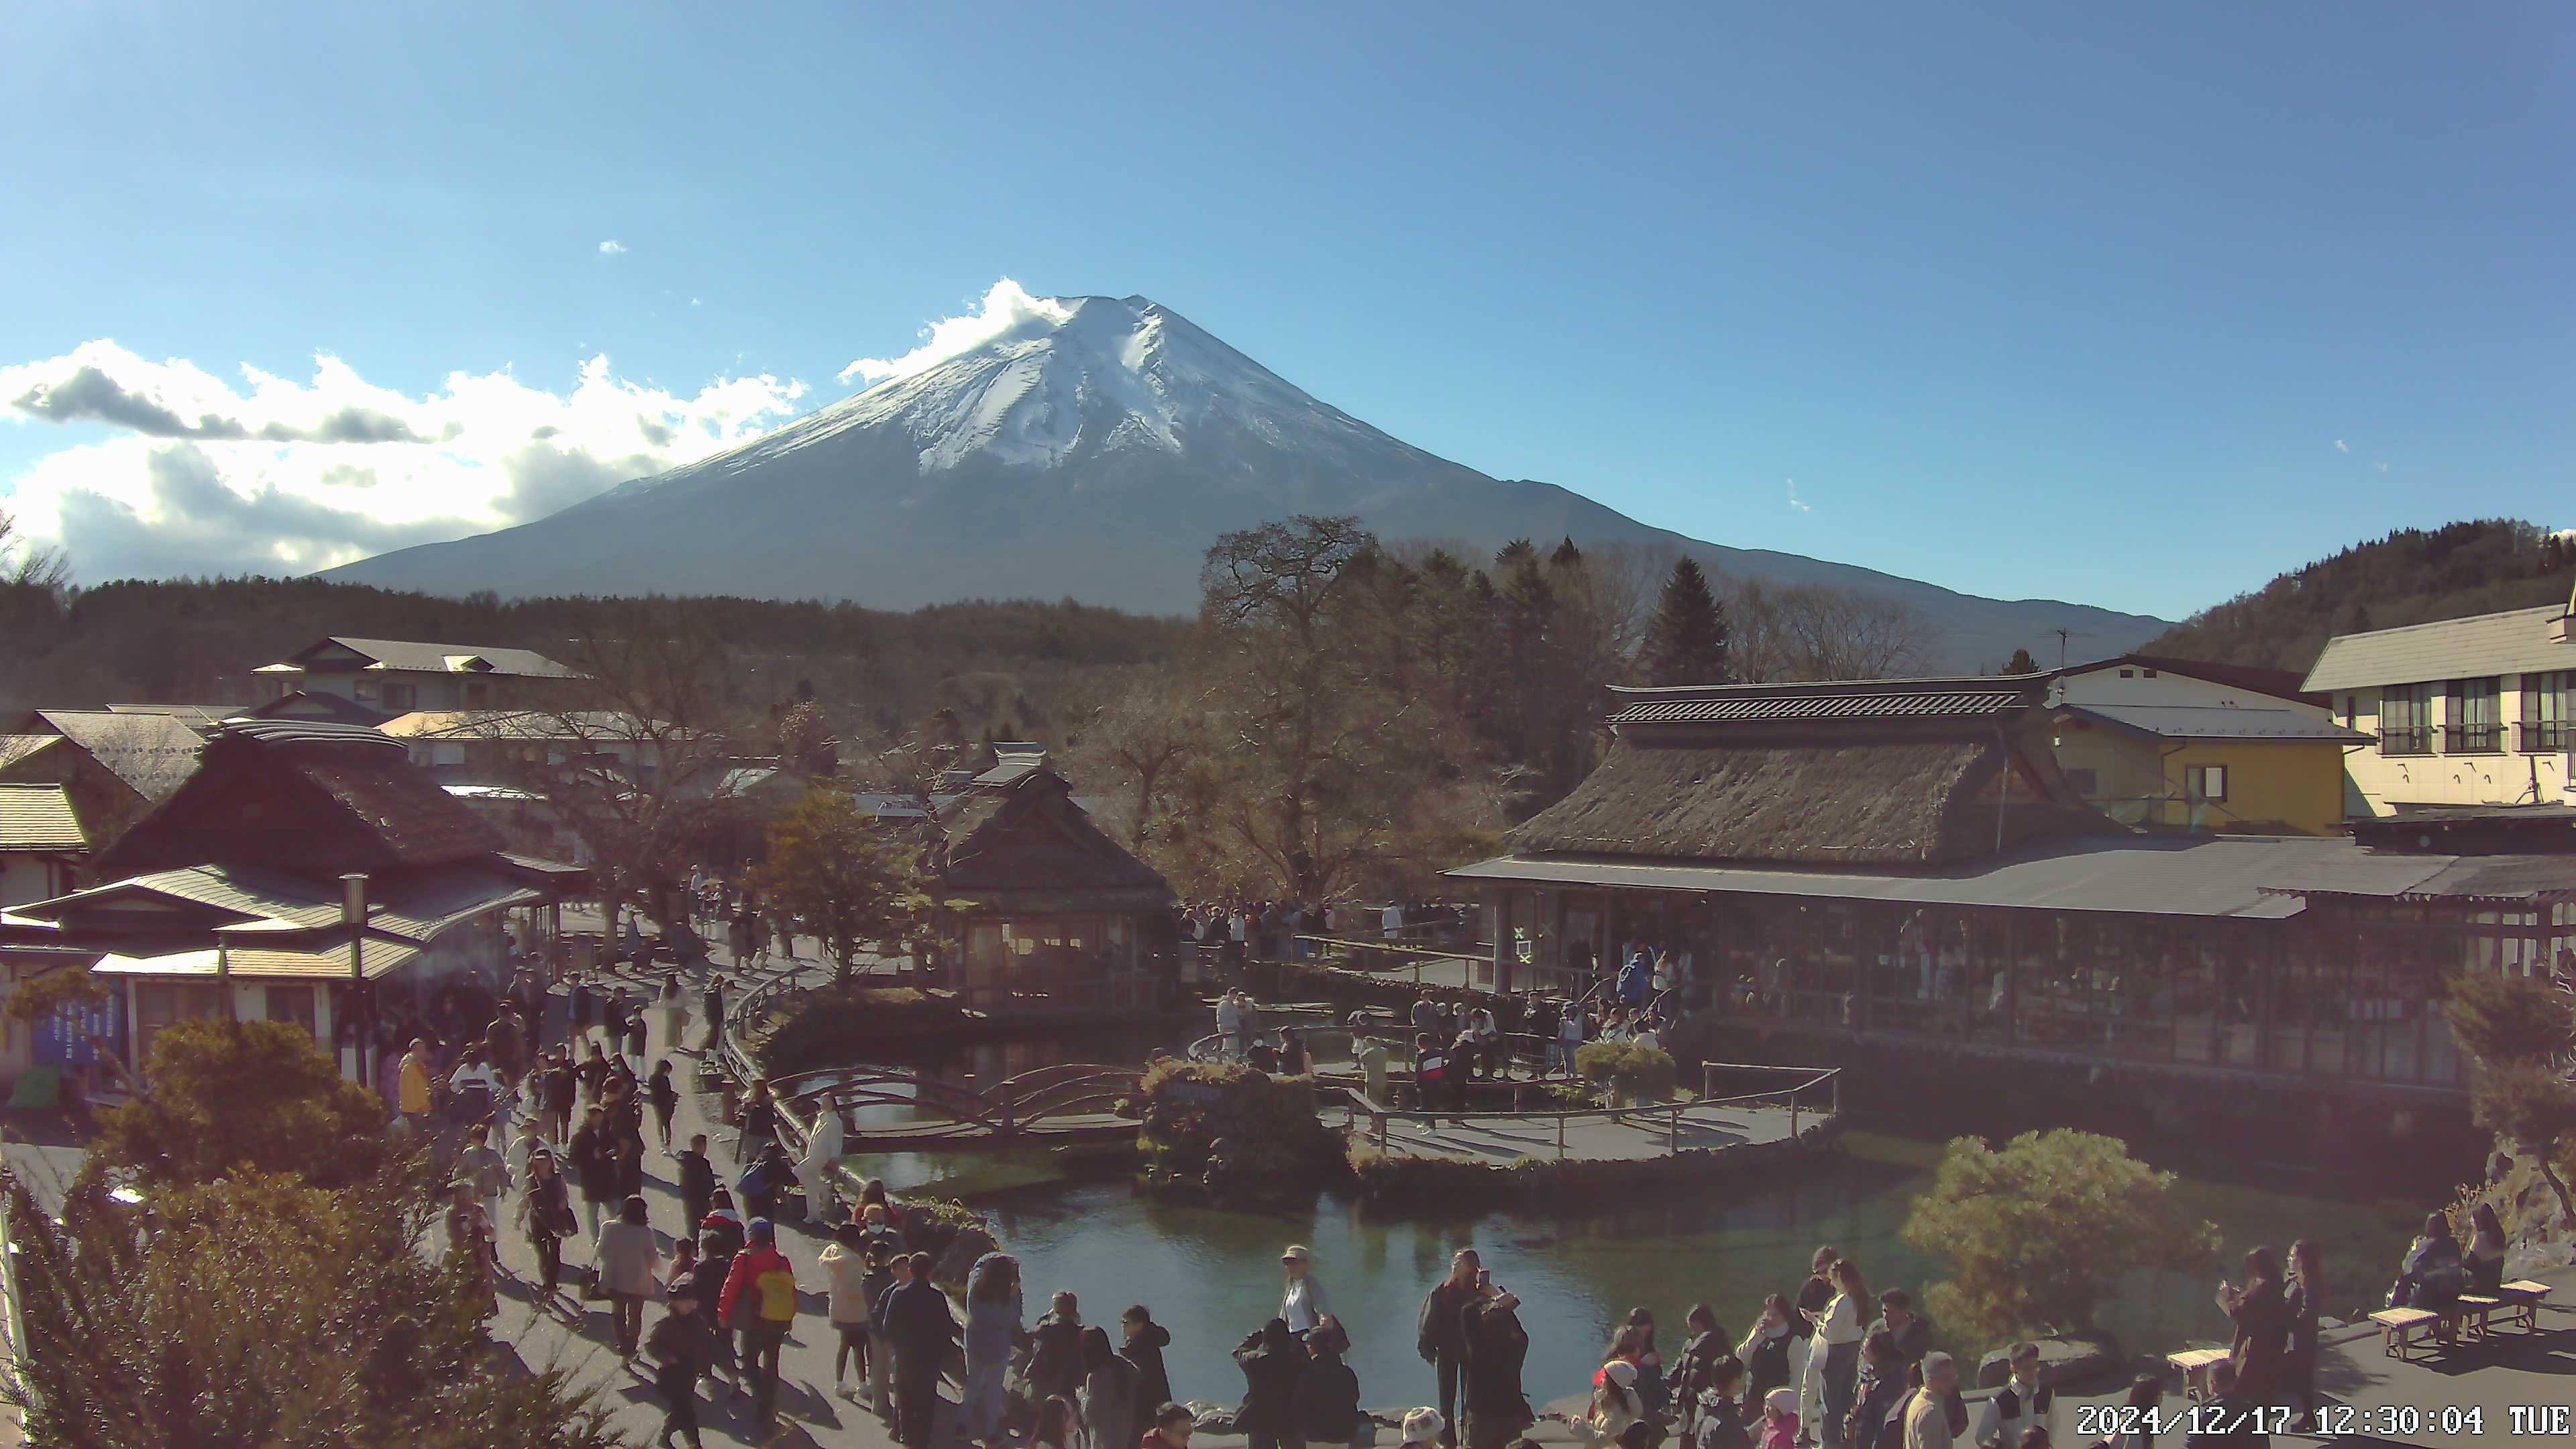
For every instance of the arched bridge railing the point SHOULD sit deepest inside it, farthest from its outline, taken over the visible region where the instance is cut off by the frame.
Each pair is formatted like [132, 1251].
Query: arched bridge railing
[1032, 1103]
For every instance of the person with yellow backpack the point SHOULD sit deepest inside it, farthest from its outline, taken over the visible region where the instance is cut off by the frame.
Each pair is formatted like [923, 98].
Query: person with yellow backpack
[759, 1298]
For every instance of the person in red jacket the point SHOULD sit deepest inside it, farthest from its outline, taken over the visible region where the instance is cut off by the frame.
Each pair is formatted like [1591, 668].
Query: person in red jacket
[760, 1299]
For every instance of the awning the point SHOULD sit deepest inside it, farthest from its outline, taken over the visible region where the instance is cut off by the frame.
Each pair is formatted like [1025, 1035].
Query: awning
[381, 959]
[2235, 877]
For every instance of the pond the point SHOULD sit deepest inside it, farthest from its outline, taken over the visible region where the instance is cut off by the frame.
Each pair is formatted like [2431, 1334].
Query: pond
[1212, 1276]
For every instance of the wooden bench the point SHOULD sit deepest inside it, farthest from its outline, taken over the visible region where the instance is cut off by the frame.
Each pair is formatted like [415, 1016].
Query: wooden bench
[2193, 1364]
[2521, 1305]
[2400, 1327]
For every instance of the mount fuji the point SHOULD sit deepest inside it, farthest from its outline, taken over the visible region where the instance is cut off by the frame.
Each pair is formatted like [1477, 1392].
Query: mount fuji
[1092, 450]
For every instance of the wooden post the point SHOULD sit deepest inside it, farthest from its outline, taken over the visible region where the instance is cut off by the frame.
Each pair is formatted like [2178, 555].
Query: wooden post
[1793, 1116]
[1673, 1134]
[1560, 1136]
[1838, 1091]
[1010, 1107]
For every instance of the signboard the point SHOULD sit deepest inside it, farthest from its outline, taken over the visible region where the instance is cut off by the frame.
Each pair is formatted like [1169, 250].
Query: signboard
[60, 1039]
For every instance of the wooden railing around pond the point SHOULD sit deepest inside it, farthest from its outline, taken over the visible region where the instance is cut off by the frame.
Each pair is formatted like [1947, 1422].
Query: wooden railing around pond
[1796, 1098]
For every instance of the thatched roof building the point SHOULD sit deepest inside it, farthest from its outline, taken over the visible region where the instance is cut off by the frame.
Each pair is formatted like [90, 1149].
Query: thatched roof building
[1868, 772]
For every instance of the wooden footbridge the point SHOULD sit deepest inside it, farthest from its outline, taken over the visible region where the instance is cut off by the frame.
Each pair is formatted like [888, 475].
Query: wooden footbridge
[889, 1110]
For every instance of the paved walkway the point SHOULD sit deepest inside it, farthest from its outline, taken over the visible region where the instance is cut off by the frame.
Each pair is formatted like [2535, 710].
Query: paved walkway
[577, 1338]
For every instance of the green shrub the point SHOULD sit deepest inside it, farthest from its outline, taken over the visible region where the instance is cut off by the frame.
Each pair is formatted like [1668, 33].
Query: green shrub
[836, 1026]
[1636, 1073]
[1267, 1124]
[2039, 1232]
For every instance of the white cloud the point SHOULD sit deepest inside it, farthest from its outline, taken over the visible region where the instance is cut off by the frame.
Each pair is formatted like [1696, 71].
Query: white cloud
[2382, 467]
[612, 248]
[2340, 448]
[1005, 311]
[277, 476]
[1794, 501]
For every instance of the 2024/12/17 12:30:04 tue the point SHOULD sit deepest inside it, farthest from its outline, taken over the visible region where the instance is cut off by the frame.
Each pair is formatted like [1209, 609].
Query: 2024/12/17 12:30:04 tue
[2103, 1421]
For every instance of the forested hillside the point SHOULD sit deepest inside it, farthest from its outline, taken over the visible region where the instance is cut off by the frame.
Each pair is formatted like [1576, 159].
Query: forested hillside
[1003, 666]
[2412, 576]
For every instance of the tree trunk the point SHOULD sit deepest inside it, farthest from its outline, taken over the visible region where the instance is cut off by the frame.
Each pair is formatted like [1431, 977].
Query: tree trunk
[2549, 1174]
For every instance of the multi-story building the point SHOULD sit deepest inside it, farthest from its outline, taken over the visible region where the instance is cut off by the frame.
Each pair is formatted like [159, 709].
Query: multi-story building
[2466, 712]
[390, 677]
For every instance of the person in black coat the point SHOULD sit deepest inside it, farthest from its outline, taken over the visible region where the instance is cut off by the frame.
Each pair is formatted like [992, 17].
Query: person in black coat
[593, 1156]
[664, 1098]
[1144, 1345]
[697, 1184]
[1439, 1332]
[1324, 1409]
[1272, 1361]
[1494, 1346]
[918, 1325]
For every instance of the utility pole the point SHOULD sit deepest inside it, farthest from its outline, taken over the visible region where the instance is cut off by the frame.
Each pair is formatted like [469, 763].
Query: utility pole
[353, 914]
[2061, 645]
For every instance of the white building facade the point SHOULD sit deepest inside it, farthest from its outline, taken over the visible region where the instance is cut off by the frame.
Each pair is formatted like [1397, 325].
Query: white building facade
[2469, 711]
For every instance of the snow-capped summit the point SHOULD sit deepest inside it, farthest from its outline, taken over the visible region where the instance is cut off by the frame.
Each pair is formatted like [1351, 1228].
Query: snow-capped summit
[1081, 447]
[1073, 379]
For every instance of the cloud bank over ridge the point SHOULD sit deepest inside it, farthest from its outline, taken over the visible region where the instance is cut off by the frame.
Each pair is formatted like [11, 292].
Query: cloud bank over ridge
[199, 475]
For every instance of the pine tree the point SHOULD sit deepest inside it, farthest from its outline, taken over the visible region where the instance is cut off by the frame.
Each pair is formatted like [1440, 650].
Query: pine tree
[2021, 663]
[1686, 640]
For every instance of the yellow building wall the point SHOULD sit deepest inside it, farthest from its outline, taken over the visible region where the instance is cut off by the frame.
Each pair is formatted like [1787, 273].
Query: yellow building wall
[2294, 785]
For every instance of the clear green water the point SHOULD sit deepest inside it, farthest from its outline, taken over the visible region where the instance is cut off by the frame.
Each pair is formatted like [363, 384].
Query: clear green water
[1213, 1276]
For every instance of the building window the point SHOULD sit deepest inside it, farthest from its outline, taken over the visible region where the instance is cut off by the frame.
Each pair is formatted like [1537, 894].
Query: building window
[2406, 719]
[2546, 701]
[2150, 674]
[402, 696]
[2205, 782]
[2475, 727]
[2083, 782]
[2128, 674]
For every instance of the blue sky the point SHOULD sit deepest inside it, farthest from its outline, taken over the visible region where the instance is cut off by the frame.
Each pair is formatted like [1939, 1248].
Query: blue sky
[2130, 305]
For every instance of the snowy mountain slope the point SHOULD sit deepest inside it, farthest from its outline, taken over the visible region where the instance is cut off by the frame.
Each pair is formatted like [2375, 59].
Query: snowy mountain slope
[1093, 452]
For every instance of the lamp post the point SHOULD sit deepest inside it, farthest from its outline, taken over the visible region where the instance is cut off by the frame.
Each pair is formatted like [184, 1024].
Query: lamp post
[353, 914]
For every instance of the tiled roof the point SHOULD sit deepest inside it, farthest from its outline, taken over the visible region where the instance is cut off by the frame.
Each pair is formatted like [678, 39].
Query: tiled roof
[2217, 722]
[152, 753]
[39, 818]
[2514, 642]
[1888, 704]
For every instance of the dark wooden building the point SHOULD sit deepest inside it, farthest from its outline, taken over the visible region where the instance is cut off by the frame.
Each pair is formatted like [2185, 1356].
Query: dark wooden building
[1860, 866]
[1059, 916]
[230, 896]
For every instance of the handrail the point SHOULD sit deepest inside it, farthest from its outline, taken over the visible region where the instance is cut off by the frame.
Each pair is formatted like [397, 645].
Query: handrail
[1672, 1112]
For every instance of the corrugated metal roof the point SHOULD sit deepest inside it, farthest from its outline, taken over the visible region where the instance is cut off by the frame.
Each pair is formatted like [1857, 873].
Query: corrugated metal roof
[422, 907]
[1012, 770]
[2130, 875]
[252, 893]
[39, 818]
[2514, 642]
[2217, 722]
[380, 959]
[453, 658]
[1892, 704]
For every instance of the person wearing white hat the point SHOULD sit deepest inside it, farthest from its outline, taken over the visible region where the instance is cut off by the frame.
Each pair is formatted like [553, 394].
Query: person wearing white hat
[1302, 1301]
[1422, 1428]
[1616, 1409]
